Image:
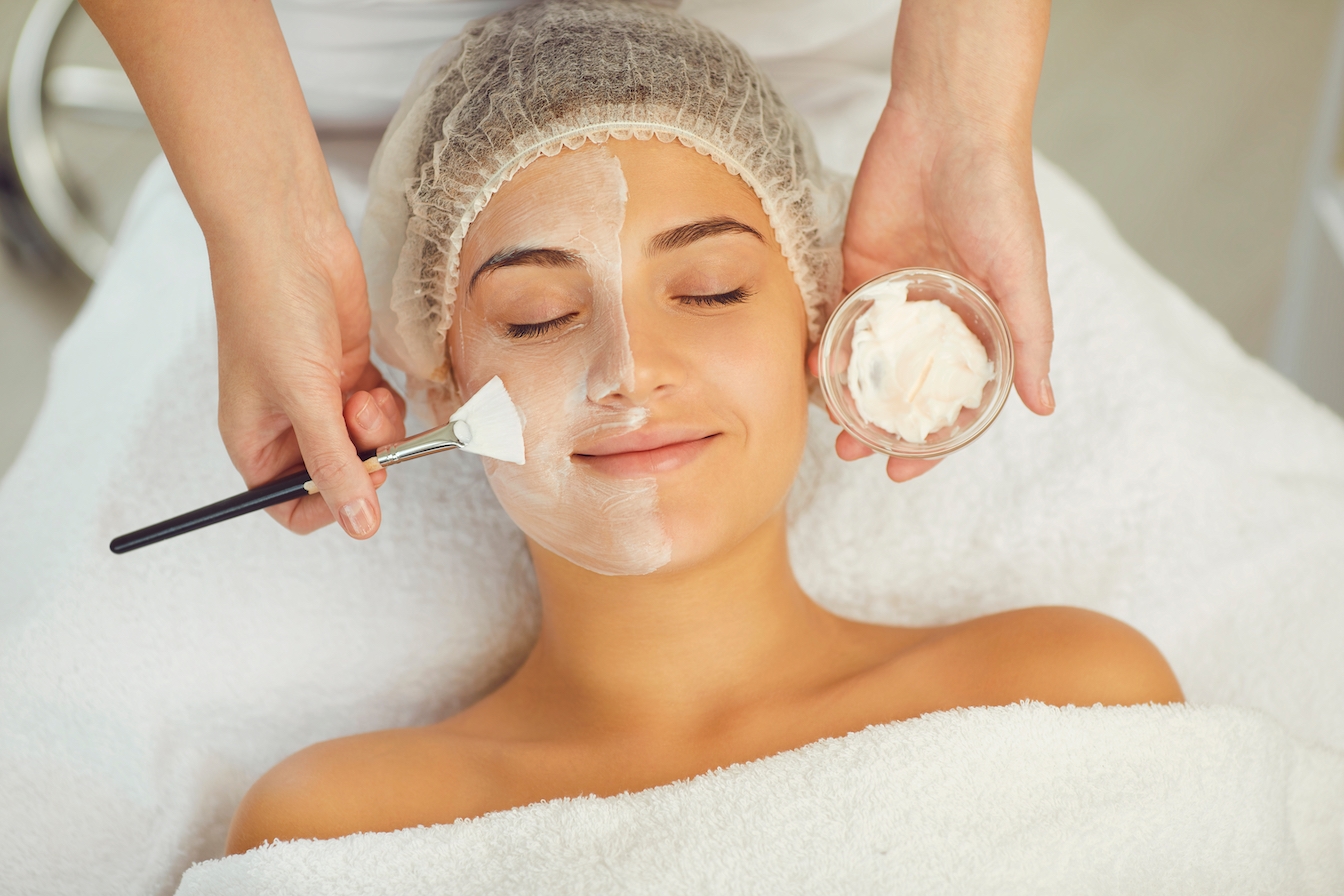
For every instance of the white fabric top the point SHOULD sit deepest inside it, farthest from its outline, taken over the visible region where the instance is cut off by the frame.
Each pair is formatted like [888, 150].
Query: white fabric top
[355, 58]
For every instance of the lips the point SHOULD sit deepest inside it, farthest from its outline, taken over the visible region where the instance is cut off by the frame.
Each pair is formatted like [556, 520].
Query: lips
[646, 451]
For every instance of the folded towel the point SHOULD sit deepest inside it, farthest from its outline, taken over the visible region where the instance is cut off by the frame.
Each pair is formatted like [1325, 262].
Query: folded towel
[1027, 799]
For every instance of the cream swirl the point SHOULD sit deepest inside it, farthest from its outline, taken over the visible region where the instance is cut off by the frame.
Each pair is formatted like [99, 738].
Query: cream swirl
[913, 366]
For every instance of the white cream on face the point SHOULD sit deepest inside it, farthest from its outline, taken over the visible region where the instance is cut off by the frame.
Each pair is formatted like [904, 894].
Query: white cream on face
[569, 386]
[913, 366]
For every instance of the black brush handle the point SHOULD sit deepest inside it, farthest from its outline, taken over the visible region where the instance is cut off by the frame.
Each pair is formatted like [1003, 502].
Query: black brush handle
[278, 492]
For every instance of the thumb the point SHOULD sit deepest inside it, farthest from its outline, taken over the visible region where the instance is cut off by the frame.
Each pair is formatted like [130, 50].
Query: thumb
[1024, 299]
[334, 464]
[1033, 338]
[1025, 302]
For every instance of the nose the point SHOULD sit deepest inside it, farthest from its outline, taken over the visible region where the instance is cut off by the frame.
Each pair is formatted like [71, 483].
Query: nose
[637, 361]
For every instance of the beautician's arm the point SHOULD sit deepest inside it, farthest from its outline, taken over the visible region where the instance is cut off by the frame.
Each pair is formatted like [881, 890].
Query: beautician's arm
[947, 178]
[217, 83]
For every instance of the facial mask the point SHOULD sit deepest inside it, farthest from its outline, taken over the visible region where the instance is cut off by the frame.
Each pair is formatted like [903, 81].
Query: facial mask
[569, 385]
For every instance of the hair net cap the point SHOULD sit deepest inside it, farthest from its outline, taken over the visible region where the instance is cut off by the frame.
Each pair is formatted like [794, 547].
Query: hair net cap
[553, 75]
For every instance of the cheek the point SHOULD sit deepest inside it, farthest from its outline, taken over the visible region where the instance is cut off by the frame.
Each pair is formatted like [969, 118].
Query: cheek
[478, 353]
[758, 365]
[751, 375]
[542, 381]
[468, 353]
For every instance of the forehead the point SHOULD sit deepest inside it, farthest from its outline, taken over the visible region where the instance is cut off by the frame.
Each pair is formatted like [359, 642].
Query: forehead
[655, 184]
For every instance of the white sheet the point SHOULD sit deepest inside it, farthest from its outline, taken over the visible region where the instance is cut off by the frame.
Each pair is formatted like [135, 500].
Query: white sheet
[1181, 487]
[1026, 799]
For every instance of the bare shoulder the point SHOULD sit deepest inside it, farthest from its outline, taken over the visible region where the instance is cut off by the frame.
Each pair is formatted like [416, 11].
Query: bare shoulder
[1061, 656]
[379, 781]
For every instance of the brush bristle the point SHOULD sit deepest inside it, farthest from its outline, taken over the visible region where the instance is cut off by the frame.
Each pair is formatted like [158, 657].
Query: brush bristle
[493, 424]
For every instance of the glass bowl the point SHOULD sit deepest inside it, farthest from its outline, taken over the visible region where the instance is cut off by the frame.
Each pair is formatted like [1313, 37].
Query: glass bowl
[981, 316]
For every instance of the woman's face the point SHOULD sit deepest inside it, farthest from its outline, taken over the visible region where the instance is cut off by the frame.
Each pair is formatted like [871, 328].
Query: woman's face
[633, 299]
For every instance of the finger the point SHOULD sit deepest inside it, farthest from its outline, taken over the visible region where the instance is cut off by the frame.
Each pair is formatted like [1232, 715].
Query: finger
[393, 405]
[371, 427]
[368, 419]
[1026, 308]
[373, 419]
[311, 513]
[332, 461]
[850, 448]
[302, 516]
[903, 469]
[305, 515]
[276, 458]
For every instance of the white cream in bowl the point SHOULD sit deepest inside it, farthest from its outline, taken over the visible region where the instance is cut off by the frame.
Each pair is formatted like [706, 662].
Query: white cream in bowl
[913, 366]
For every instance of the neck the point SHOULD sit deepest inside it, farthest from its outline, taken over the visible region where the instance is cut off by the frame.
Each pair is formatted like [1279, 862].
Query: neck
[673, 648]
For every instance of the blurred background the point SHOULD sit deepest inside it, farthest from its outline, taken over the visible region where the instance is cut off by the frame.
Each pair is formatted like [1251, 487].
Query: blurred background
[1207, 129]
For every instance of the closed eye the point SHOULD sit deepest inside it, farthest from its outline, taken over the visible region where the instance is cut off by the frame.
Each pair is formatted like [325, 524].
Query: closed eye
[531, 331]
[741, 294]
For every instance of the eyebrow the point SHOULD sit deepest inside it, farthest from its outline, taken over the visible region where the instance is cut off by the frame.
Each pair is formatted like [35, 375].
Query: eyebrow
[679, 237]
[543, 258]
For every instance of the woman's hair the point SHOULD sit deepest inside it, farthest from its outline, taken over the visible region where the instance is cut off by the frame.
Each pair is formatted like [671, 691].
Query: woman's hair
[554, 75]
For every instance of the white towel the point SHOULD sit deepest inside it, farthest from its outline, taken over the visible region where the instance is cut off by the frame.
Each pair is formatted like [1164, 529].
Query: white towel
[1027, 799]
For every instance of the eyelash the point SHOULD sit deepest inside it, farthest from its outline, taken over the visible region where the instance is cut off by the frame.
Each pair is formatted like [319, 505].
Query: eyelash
[737, 296]
[531, 331]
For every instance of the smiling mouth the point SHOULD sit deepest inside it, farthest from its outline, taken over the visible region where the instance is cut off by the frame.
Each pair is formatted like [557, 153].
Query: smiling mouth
[642, 453]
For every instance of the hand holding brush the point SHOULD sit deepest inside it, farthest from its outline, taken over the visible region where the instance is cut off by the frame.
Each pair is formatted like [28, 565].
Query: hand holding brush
[487, 424]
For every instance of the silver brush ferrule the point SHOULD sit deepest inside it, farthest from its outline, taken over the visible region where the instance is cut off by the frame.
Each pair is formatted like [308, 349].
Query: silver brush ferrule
[453, 434]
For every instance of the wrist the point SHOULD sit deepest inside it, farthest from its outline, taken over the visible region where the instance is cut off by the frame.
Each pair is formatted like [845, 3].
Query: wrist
[969, 66]
[285, 227]
[279, 195]
[914, 138]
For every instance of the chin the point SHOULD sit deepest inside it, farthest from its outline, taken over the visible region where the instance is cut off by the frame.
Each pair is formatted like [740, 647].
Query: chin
[709, 516]
[702, 533]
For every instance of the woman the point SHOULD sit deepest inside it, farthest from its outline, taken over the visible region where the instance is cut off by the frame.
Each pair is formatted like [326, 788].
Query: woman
[611, 210]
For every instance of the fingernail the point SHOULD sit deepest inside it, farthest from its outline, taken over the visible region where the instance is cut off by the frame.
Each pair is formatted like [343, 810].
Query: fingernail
[1047, 393]
[357, 518]
[368, 416]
